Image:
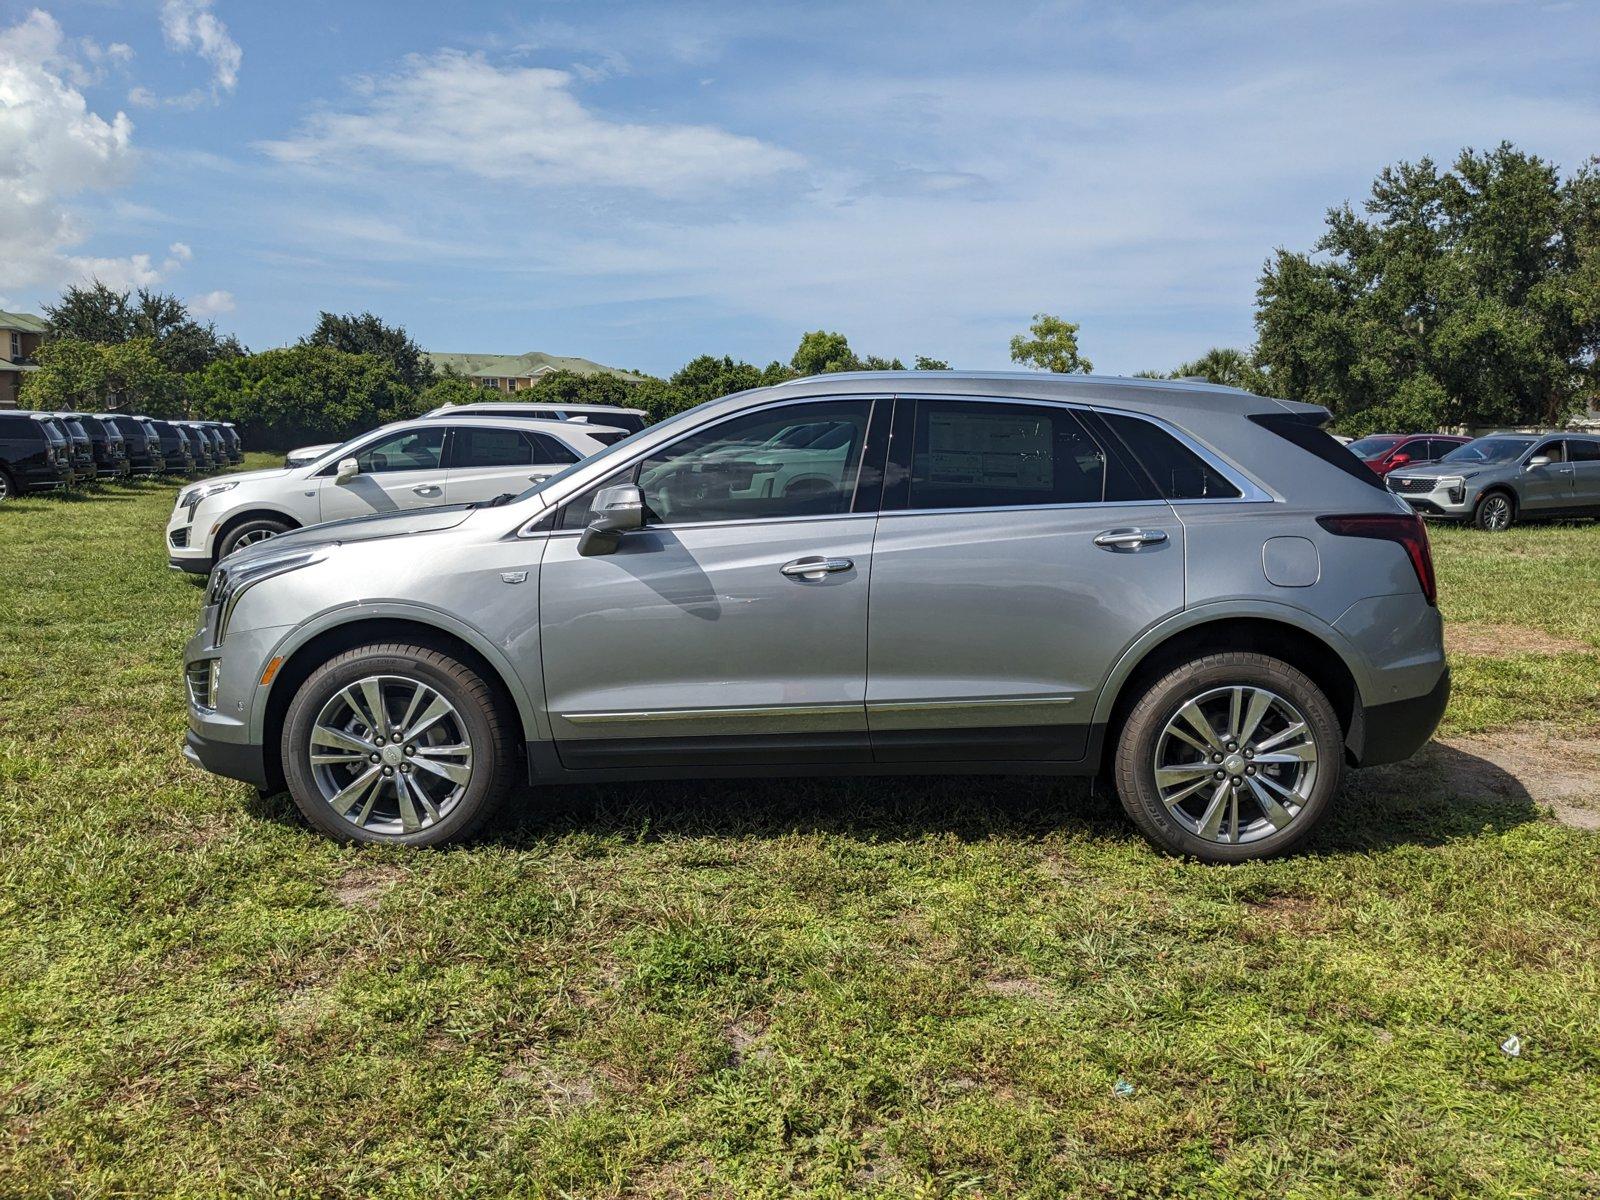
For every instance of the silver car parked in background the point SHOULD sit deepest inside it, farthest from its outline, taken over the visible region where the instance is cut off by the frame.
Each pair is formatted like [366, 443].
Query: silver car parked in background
[1501, 478]
[1189, 588]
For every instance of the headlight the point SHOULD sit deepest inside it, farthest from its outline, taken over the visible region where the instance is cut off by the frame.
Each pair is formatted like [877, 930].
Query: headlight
[1452, 482]
[191, 498]
[228, 584]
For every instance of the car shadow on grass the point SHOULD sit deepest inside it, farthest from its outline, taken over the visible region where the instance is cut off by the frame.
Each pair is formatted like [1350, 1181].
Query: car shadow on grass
[1441, 795]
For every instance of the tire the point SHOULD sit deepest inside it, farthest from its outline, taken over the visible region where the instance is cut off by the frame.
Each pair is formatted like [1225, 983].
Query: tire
[246, 533]
[8, 486]
[1309, 762]
[1495, 512]
[441, 809]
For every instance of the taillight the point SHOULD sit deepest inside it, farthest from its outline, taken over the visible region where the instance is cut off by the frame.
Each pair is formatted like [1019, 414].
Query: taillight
[1404, 528]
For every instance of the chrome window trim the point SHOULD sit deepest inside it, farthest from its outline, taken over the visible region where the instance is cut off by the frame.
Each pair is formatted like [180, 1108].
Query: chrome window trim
[674, 714]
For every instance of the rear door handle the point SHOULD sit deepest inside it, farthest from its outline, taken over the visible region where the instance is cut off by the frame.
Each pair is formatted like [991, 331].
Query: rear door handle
[814, 566]
[427, 489]
[1129, 539]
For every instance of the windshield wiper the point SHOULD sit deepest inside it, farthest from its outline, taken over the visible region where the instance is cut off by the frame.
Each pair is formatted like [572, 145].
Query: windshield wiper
[502, 498]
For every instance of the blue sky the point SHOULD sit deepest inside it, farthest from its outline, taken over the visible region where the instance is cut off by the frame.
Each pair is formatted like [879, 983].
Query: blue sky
[640, 183]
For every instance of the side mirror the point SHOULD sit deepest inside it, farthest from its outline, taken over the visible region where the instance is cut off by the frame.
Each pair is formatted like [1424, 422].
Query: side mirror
[1400, 460]
[349, 468]
[615, 511]
[1538, 460]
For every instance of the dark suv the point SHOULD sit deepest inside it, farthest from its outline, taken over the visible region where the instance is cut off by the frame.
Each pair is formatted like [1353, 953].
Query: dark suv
[142, 441]
[107, 445]
[33, 455]
[83, 464]
[176, 448]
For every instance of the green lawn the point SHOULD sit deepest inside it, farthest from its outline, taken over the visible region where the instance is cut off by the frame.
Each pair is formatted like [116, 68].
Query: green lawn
[924, 987]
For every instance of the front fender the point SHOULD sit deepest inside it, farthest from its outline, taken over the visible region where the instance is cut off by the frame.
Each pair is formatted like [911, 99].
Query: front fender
[532, 717]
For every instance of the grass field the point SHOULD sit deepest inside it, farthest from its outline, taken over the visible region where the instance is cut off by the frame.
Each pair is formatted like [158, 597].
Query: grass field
[923, 987]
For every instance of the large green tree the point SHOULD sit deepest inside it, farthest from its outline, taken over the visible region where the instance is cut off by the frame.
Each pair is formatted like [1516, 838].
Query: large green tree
[823, 352]
[97, 313]
[365, 333]
[1052, 346]
[126, 376]
[288, 397]
[1221, 365]
[1467, 296]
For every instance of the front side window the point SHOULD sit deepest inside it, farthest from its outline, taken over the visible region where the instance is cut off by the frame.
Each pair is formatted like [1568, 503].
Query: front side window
[1554, 450]
[736, 470]
[411, 450]
[974, 454]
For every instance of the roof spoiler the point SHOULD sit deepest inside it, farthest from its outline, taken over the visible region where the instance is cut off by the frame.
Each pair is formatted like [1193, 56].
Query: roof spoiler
[1314, 415]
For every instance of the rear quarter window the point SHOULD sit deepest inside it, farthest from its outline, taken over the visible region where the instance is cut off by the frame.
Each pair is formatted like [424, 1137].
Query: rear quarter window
[1311, 438]
[1176, 471]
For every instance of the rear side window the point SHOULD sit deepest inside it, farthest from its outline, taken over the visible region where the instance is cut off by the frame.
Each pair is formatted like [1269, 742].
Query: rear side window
[1177, 471]
[1310, 437]
[491, 448]
[972, 454]
[547, 450]
[1584, 450]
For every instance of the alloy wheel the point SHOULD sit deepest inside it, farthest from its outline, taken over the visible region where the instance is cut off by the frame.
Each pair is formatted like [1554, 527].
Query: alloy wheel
[1235, 764]
[390, 754]
[251, 538]
[1496, 513]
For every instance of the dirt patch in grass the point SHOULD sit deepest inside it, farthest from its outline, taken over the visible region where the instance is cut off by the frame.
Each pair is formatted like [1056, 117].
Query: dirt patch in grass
[1017, 985]
[561, 1092]
[1504, 641]
[363, 887]
[1552, 770]
[745, 1043]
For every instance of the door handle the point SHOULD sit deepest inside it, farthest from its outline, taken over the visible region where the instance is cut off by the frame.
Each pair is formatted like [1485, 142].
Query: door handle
[1129, 539]
[814, 567]
[427, 489]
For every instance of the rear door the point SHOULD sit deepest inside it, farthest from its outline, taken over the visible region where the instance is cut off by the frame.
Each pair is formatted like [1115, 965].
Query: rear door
[1015, 559]
[1585, 455]
[398, 471]
[487, 462]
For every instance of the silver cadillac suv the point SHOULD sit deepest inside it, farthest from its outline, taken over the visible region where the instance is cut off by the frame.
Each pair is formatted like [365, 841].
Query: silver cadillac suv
[1501, 478]
[1189, 589]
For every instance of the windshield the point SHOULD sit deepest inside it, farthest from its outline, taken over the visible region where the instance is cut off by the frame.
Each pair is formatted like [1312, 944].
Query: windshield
[1489, 450]
[1377, 444]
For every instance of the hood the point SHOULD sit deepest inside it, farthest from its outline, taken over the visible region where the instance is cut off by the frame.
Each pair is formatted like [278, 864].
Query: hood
[360, 529]
[240, 477]
[1439, 470]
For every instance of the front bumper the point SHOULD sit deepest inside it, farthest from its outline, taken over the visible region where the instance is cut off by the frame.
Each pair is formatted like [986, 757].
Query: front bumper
[188, 546]
[232, 760]
[1455, 504]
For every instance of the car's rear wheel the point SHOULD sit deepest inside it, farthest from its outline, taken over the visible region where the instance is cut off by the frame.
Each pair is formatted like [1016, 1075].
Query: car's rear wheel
[248, 533]
[8, 489]
[1230, 757]
[1496, 512]
[397, 744]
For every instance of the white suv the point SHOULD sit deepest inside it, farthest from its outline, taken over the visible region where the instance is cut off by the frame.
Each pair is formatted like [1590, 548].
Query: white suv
[410, 464]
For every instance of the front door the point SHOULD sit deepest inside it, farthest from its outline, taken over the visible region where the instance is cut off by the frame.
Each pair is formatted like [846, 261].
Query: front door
[399, 470]
[1019, 560]
[732, 628]
[1549, 486]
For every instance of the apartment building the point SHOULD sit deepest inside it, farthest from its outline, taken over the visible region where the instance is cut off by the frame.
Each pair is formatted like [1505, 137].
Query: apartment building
[20, 334]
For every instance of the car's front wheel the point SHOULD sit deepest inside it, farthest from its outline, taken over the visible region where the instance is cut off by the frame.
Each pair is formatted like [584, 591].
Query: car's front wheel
[1230, 757]
[248, 533]
[397, 743]
[1495, 513]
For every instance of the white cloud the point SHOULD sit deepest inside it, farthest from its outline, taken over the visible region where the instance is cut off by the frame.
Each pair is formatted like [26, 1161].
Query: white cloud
[211, 304]
[52, 148]
[191, 25]
[457, 112]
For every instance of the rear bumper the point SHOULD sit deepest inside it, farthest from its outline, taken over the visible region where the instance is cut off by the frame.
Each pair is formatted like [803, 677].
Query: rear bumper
[1387, 733]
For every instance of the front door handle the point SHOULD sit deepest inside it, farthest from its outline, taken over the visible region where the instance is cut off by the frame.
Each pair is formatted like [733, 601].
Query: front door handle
[815, 567]
[1129, 539]
[428, 489]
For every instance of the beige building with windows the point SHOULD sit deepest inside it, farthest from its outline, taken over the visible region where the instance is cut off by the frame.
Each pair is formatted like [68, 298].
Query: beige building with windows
[517, 372]
[20, 335]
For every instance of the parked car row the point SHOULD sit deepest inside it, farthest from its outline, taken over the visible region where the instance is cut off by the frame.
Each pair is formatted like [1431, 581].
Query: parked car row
[48, 450]
[1189, 589]
[1502, 478]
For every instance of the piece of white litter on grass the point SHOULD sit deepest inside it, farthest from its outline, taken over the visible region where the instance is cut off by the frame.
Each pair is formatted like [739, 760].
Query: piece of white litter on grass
[1122, 1088]
[1512, 1046]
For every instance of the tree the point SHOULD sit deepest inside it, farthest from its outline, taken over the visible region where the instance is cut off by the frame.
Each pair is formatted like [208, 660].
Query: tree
[822, 353]
[924, 363]
[127, 377]
[1461, 297]
[365, 333]
[448, 387]
[100, 314]
[288, 397]
[1053, 347]
[1227, 367]
[569, 387]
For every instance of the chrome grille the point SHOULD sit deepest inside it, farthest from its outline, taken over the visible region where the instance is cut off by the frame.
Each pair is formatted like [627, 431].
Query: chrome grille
[1411, 487]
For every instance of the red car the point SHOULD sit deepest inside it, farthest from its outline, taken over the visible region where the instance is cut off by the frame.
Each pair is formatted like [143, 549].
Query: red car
[1383, 452]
